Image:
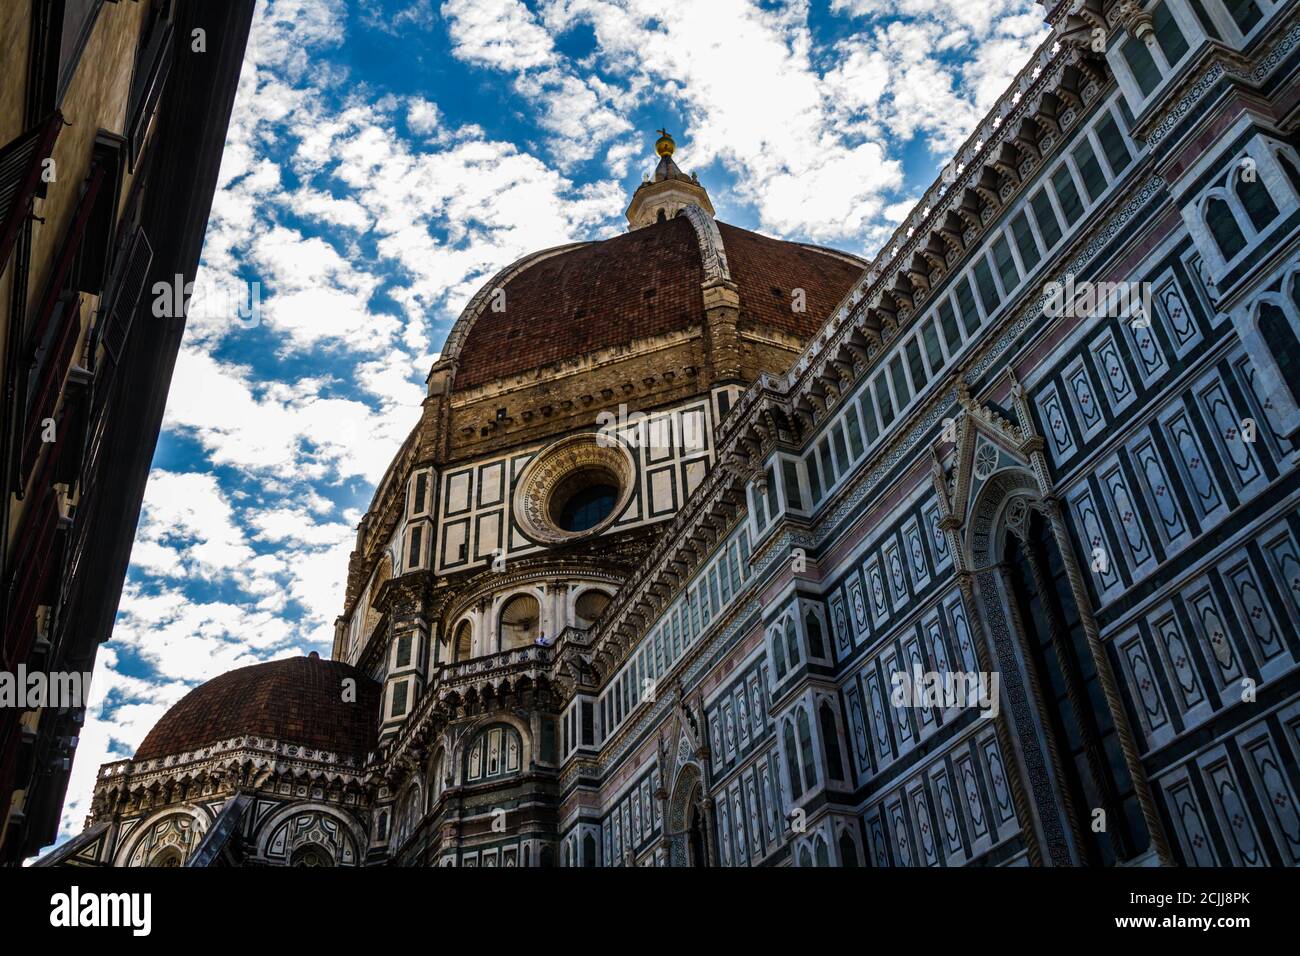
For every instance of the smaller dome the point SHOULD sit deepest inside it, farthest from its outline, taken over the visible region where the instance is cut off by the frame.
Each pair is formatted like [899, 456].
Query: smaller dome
[298, 700]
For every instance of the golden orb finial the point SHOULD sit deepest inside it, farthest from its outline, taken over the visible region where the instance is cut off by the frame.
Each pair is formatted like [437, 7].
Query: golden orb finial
[664, 145]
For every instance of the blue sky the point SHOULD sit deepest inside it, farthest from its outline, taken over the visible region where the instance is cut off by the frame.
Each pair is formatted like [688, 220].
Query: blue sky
[383, 161]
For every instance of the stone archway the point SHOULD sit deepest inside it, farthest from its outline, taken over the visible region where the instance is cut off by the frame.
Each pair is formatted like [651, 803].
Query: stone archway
[1000, 508]
[688, 827]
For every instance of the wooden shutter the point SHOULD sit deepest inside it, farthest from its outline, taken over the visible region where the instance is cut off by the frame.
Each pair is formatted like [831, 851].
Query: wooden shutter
[20, 177]
[152, 70]
[117, 310]
[54, 335]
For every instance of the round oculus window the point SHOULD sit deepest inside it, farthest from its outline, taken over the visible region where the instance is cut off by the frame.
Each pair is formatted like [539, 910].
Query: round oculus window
[575, 488]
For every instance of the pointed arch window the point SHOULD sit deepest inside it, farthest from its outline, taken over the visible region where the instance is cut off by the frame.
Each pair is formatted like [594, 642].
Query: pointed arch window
[1280, 336]
[778, 654]
[1289, 169]
[792, 762]
[792, 642]
[823, 853]
[816, 646]
[1224, 228]
[1257, 202]
[831, 740]
[848, 850]
[805, 749]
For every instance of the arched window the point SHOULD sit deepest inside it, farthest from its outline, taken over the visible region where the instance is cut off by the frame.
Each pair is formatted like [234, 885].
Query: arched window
[589, 606]
[520, 622]
[588, 850]
[463, 644]
[566, 856]
[662, 217]
[831, 739]
[437, 770]
[792, 762]
[805, 749]
[1295, 292]
[495, 752]
[792, 642]
[848, 850]
[1223, 227]
[813, 624]
[1280, 337]
[823, 853]
[805, 858]
[408, 814]
[1258, 203]
[1289, 168]
[778, 654]
[167, 857]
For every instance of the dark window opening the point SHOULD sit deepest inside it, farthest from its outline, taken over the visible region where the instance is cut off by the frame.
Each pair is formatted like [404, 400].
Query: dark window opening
[1094, 180]
[1048, 225]
[1067, 195]
[1224, 228]
[1079, 718]
[1280, 337]
[1258, 203]
[831, 738]
[1289, 168]
[987, 287]
[1006, 263]
[1244, 13]
[816, 646]
[584, 500]
[1113, 145]
[1024, 237]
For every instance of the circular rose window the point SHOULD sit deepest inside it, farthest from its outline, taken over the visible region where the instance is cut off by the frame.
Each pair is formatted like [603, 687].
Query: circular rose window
[575, 488]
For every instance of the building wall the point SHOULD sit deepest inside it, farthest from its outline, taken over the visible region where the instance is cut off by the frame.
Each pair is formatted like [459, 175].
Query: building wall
[1183, 530]
[98, 99]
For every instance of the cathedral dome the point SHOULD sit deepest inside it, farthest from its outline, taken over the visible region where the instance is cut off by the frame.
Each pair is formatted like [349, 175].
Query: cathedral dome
[563, 303]
[298, 700]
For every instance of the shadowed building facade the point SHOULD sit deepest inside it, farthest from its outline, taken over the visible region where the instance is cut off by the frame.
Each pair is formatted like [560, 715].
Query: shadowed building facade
[112, 124]
[711, 549]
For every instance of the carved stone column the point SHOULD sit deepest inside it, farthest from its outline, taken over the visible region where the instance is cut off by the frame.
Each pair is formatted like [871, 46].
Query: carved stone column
[1109, 686]
[706, 823]
[1047, 815]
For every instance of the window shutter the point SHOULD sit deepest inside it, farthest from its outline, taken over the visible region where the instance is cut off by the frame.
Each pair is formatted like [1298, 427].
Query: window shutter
[20, 177]
[54, 335]
[47, 376]
[118, 309]
[152, 70]
[30, 585]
